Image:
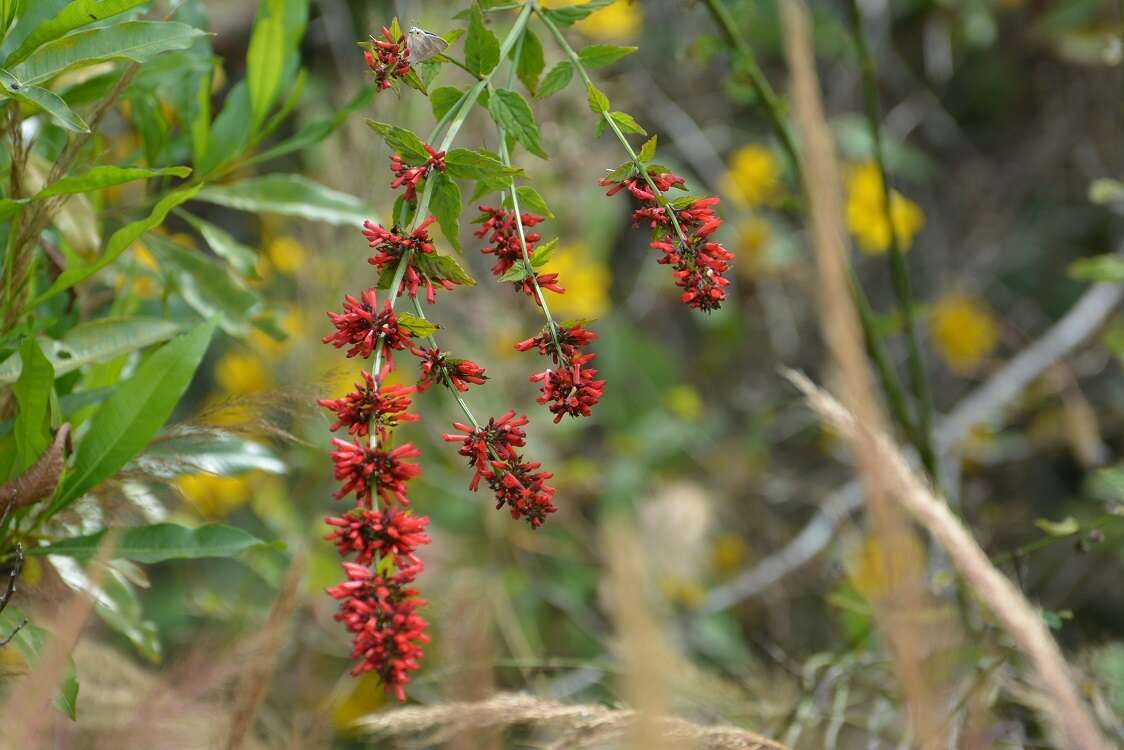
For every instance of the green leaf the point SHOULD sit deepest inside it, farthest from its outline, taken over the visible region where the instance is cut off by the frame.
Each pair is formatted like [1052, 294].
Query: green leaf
[117, 244]
[1106, 190]
[598, 102]
[75, 15]
[518, 271]
[206, 451]
[265, 58]
[570, 14]
[48, 101]
[532, 60]
[241, 257]
[125, 424]
[201, 123]
[1108, 268]
[443, 99]
[543, 253]
[481, 48]
[445, 202]
[33, 394]
[557, 79]
[529, 199]
[512, 113]
[29, 641]
[443, 267]
[603, 55]
[316, 132]
[158, 543]
[648, 150]
[419, 327]
[469, 164]
[1066, 527]
[115, 603]
[626, 122]
[402, 142]
[101, 177]
[208, 287]
[289, 195]
[138, 41]
[230, 131]
[96, 341]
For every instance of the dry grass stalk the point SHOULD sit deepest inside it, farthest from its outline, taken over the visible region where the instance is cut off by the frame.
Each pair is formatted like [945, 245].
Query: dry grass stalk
[646, 656]
[900, 558]
[581, 726]
[258, 673]
[1064, 709]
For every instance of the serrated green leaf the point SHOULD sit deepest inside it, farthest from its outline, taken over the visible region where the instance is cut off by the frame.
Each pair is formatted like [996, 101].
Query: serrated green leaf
[512, 113]
[603, 55]
[532, 60]
[33, 396]
[443, 267]
[627, 123]
[481, 48]
[556, 80]
[598, 102]
[518, 271]
[118, 243]
[648, 150]
[98, 178]
[478, 164]
[97, 341]
[138, 41]
[402, 142]
[74, 15]
[444, 99]
[445, 202]
[158, 543]
[529, 199]
[1105, 268]
[571, 14]
[289, 195]
[543, 253]
[419, 327]
[48, 101]
[124, 424]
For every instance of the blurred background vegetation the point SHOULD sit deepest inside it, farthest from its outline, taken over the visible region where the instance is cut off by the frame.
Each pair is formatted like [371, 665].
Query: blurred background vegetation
[1003, 121]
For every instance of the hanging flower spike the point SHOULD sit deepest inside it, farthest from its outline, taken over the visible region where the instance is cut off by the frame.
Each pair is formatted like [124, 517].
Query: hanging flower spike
[496, 440]
[381, 612]
[392, 246]
[371, 534]
[570, 340]
[572, 390]
[388, 58]
[439, 367]
[360, 327]
[385, 407]
[547, 281]
[409, 176]
[523, 490]
[362, 469]
[503, 236]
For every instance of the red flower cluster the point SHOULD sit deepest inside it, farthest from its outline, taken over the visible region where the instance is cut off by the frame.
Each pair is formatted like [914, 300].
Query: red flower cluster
[363, 468]
[491, 452]
[393, 247]
[381, 612]
[409, 176]
[503, 236]
[698, 264]
[388, 58]
[369, 405]
[361, 326]
[572, 388]
[371, 533]
[438, 367]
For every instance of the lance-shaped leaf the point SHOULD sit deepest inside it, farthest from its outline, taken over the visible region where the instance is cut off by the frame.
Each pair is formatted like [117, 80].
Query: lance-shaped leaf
[603, 55]
[481, 48]
[479, 164]
[74, 15]
[420, 327]
[402, 142]
[158, 543]
[33, 396]
[445, 203]
[290, 195]
[570, 14]
[532, 60]
[557, 79]
[105, 176]
[48, 101]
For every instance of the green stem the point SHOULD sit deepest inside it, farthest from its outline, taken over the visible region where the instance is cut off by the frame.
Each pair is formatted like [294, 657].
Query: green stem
[456, 394]
[923, 435]
[774, 110]
[876, 349]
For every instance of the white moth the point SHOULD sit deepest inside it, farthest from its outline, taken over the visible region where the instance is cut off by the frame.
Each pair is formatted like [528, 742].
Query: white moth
[424, 45]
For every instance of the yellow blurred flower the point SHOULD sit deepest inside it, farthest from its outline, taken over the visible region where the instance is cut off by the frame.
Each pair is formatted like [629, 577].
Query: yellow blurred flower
[620, 21]
[728, 554]
[144, 256]
[146, 287]
[684, 402]
[682, 591]
[753, 177]
[866, 216]
[215, 497]
[753, 235]
[286, 255]
[240, 374]
[586, 281]
[292, 323]
[964, 332]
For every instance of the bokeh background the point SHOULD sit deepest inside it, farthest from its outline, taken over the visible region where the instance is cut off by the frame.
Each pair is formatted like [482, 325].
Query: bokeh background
[1003, 121]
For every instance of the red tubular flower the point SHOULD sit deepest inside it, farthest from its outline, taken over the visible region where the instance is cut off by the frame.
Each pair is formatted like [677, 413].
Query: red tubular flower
[388, 58]
[362, 469]
[503, 236]
[522, 489]
[409, 176]
[572, 390]
[360, 326]
[570, 340]
[439, 367]
[392, 246]
[381, 612]
[369, 403]
[374, 534]
[496, 440]
[548, 281]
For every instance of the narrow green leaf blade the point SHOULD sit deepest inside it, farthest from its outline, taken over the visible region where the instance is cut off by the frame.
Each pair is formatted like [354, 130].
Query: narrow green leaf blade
[105, 176]
[290, 195]
[603, 55]
[33, 395]
[158, 543]
[75, 15]
[48, 101]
